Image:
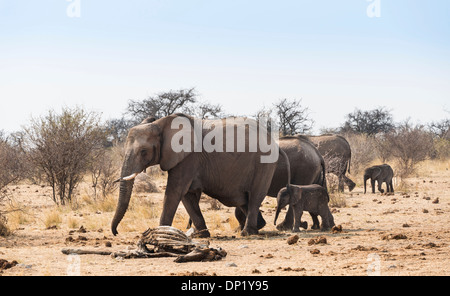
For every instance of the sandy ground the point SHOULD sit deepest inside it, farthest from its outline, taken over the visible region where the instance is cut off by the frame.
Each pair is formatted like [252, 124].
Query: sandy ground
[404, 234]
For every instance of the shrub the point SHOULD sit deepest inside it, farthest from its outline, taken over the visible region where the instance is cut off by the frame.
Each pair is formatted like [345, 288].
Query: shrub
[12, 167]
[62, 145]
[363, 152]
[409, 145]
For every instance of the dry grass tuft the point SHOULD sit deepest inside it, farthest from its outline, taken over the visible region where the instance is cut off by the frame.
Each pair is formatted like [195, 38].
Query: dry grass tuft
[52, 218]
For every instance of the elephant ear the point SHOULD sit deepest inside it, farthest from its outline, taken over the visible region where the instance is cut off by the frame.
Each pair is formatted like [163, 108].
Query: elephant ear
[376, 172]
[176, 141]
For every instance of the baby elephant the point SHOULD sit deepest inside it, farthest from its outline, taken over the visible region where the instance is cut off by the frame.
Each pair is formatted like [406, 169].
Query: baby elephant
[382, 174]
[312, 198]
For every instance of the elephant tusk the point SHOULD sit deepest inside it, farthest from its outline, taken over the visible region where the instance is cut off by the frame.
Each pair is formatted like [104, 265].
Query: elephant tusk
[129, 178]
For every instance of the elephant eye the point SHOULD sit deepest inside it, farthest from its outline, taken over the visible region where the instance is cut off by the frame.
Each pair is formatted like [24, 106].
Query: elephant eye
[143, 152]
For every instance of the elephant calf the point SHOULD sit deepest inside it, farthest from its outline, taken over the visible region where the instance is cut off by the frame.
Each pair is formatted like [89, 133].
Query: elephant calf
[312, 198]
[382, 174]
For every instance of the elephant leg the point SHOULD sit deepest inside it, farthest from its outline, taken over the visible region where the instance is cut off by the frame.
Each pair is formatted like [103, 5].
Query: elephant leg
[176, 189]
[191, 203]
[241, 217]
[298, 211]
[372, 183]
[316, 223]
[288, 220]
[351, 185]
[341, 183]
[379, 186]
[254, 202]
[391, 186]
[327, 217]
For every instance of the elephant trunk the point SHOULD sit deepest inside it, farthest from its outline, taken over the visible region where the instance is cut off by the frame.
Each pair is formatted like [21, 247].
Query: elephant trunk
[276, 215]
[126, 188]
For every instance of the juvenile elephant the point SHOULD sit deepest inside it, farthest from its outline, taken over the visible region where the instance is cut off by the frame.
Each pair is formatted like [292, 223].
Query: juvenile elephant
[237, 178]
[312, 198]
[380, 173]
[337, 153]
[307, 166]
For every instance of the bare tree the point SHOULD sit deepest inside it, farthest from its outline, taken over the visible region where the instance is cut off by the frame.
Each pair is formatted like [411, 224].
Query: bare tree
[440, 129]
[370, 122]
[292, 117]
[410, 145]
[205, 110]
[104, 170]
[117, 130]
[162, 104]
[62, 146]
[12, 163]
[12, 168]
[363, 152]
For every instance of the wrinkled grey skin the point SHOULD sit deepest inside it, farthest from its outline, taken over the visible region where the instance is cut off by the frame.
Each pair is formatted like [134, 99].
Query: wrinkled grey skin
[306, 167]
[236, 179]
[380, 173]
[337, 153]
[312, 198]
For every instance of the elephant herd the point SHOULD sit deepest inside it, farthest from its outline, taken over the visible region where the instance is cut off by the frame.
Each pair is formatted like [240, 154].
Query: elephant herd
[237, 177]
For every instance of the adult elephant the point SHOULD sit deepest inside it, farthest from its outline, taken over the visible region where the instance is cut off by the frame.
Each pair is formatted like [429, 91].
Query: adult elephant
[382, 174]
[307, 167]
[236, 179]
[337, 153]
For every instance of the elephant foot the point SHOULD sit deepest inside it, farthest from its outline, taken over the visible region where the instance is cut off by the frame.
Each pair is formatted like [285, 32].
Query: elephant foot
[249, 231]
[261, 222]
[283, 226]
[351, 187]
[204, 233]
[315, 227]
[304, 225]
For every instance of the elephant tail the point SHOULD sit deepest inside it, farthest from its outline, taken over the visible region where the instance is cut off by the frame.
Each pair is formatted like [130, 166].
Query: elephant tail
[326, 191]
[288, 166]
[349, 161]
[324, 179]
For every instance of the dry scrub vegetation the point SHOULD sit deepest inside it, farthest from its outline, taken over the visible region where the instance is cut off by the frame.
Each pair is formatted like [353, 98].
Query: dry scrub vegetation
[407, 233]
[54, 202]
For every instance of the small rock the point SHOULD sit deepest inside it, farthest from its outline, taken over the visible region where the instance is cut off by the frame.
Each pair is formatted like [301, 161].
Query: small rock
[292, 239]
[425, 211]
[315, 251]
[108, 244]
[436, 200]
[232, 264]
[394, 236]
[317, 240]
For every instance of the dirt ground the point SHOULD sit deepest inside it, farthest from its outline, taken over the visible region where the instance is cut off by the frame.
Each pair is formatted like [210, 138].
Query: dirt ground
[404, 234]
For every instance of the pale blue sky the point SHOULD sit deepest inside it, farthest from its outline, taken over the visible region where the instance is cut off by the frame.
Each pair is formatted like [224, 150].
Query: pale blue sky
[241, 54]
